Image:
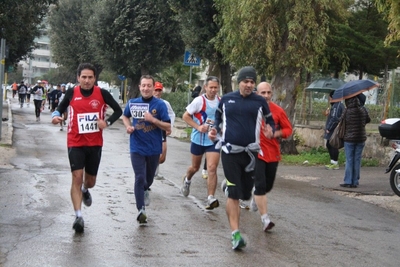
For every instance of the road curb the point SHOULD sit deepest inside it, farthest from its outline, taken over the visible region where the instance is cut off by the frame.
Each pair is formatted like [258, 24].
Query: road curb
[7, 129]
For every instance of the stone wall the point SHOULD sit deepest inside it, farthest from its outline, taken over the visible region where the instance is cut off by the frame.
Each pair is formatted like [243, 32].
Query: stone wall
[375, 147]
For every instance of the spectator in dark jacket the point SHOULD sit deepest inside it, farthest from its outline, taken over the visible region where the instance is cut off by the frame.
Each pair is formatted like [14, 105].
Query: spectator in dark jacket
[356, 118]
[334, 115]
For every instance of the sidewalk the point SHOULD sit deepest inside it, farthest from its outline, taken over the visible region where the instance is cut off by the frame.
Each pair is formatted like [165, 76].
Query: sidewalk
[373, 180]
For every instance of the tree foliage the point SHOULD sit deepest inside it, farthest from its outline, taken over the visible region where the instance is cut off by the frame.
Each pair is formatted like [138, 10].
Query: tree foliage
[365, 37]
[199, 31]
[20, 23]
[136, 37]
[71, 39]
[391, 10]
[174, 77]
[279, 37]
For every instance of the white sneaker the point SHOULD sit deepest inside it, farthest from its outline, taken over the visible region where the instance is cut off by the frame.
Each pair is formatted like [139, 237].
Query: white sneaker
[243, 204]
[267, 224]
[146, 198]
[142, 217]
[253, 205]
[212, 203]
[224, 187]
[204, 174]
[157, 175]
[185, 187]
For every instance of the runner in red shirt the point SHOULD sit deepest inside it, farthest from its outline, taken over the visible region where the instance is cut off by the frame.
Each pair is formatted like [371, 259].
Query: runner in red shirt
[269, 156]
[88, 105]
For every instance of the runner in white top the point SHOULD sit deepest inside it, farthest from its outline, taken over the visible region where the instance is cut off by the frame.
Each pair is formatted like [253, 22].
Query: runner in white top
[158, 90]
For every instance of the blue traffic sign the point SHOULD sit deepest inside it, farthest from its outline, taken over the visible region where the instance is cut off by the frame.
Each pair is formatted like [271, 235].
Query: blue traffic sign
[190, 59]
[121, 77]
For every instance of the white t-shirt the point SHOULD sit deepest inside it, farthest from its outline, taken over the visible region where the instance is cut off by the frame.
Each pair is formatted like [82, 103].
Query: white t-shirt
[171, 112]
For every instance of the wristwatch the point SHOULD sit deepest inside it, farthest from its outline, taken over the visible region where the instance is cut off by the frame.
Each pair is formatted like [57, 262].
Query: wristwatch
[108, 123]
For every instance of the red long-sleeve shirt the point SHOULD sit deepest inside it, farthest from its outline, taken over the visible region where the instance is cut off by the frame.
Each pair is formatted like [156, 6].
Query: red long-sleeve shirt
[270, 148]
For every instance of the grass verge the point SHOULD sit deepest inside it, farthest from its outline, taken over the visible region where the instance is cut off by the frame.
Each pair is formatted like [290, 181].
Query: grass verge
[320, 156]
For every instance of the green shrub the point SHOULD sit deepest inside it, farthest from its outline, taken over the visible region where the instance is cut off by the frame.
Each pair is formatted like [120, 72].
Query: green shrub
[178, 101]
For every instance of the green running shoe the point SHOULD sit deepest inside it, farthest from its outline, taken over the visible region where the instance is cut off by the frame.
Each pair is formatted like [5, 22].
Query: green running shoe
[237, 241]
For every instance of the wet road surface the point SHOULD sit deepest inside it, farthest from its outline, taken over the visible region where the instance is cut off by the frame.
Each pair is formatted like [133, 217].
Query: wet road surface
[314, 227]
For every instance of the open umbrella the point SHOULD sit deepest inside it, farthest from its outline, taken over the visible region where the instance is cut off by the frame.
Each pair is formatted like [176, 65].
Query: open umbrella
[325, 85]
[353, 88]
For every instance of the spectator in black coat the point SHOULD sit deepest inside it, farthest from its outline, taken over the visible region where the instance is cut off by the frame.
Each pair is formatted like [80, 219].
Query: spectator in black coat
[355, 135]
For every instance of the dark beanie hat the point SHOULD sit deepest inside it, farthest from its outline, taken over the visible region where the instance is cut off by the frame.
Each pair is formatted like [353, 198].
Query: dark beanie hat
[247, 73]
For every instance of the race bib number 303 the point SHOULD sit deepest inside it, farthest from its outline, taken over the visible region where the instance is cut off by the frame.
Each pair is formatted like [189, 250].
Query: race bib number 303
[138, 110]
[87, 122]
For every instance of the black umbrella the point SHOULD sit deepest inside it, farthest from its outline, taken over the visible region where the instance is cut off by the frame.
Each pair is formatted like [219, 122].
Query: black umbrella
[325, 85]
[352, 89]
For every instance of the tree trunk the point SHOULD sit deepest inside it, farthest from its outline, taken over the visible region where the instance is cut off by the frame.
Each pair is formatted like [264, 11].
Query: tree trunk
[286, 84]
[288, 147]
[226, 78]
[134, 90]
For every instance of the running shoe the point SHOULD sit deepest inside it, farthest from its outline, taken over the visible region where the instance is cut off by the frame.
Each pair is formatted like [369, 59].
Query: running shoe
[212, 203]
[253, 205]
[146, 198]
[238, 241]
[142, 217]
[243, 204]
[157, 175]
[185, 187]
[204, 174]
[332, 167]
[224, 187]
[78, 225]
[87, 198]
[267, 224]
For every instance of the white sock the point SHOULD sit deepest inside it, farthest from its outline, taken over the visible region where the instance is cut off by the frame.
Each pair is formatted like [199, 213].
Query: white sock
[210, 197]
[187, 181]
[84, 190]
[265, 217]
[78, 213]
[334, 162]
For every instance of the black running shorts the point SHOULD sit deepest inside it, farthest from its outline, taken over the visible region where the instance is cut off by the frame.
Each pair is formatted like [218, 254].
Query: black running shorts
[239, 182]
[86, 157]
[264, 176]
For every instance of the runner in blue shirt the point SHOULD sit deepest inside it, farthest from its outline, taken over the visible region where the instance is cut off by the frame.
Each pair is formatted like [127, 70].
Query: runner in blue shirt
[145, 118]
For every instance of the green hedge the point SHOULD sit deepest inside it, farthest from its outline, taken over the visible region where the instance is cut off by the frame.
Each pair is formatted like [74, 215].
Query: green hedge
[178, 101]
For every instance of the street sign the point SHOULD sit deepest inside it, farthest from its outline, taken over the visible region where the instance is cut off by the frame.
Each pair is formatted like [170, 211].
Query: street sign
[190, 59]
[121, 77]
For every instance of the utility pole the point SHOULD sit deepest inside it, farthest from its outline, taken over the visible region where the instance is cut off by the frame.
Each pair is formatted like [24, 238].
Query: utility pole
[2, 65]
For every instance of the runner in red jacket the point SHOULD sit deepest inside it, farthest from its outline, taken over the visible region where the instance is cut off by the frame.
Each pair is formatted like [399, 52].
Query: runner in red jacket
[269, 156]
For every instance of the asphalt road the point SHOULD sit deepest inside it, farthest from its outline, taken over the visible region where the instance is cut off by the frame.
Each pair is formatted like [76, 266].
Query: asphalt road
[314, 227]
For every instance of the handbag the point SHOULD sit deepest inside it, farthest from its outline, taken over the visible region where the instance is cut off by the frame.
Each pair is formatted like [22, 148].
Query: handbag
[336, 139]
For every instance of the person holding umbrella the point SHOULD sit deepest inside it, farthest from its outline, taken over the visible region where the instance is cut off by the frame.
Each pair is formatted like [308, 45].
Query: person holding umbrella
[356, 117]
[334, 115]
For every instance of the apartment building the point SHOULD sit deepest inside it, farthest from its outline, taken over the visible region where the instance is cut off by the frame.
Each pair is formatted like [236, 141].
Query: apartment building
[40, 62]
